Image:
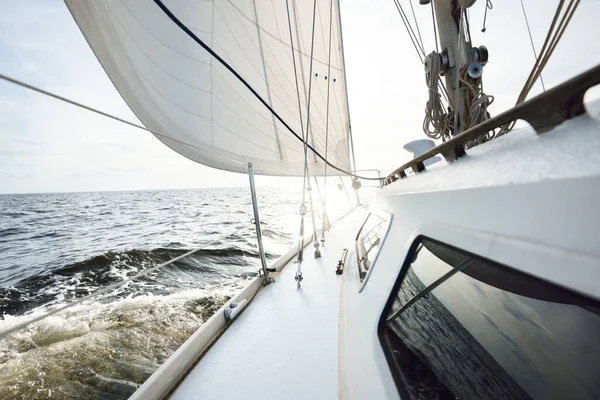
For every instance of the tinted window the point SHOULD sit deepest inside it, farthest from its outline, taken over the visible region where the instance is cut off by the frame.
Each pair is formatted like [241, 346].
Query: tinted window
[458, 326]
[368, 242]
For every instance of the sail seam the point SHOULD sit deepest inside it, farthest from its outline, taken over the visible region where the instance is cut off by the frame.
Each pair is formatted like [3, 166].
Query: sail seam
[245, 83]
[276, 61]
[266, 32]
[262, 56]
[159, 40]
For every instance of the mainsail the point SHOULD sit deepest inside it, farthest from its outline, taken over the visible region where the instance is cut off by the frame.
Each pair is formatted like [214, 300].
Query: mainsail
[201, 109]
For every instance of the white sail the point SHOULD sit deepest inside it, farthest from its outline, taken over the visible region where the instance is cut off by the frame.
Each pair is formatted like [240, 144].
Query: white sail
[176, 88]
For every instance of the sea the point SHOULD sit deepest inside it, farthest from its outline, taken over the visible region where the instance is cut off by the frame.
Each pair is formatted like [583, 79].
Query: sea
[56, 248]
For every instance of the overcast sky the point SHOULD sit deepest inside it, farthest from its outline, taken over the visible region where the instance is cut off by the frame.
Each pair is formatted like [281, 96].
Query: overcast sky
[46, 145]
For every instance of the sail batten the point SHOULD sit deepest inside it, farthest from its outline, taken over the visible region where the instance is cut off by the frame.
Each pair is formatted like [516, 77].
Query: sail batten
[175, 87]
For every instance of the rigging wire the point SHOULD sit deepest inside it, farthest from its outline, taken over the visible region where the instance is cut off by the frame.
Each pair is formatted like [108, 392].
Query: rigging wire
[552, 39]
[113, 117]
[416, 25]
[437, 49]
[324, 218]
[157, 133]
[435, 35]
[302, 210]
[193, 36]
[468, 25]
[531, 40]
[413, 38]
[306, 184]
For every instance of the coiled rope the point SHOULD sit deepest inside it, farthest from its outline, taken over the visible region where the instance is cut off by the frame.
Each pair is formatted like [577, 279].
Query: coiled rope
[437, 123]
[477, 103]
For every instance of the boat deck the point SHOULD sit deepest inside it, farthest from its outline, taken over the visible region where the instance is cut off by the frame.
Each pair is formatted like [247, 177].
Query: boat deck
[285, 344]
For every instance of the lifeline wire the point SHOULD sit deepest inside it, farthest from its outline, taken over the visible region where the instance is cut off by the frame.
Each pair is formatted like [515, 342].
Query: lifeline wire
[94, 110]
[115, 285]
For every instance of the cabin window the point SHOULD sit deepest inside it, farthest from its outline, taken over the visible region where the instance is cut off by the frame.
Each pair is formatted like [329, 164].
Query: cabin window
[368, 242]
[459, 326]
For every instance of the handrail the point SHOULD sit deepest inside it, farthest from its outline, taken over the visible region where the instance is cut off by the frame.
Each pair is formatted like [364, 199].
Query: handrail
[542, 112]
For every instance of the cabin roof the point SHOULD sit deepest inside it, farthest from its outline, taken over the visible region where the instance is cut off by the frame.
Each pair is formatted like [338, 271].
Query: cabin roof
[570, 150]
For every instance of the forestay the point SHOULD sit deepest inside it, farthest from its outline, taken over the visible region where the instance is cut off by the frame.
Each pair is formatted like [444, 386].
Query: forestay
[176, 88]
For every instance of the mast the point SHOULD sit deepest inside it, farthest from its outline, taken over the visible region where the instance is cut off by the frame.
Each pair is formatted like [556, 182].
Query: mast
[457, 56]
[449, 30]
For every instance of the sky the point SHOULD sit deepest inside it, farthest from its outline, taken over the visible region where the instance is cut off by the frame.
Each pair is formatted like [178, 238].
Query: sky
[49, 146]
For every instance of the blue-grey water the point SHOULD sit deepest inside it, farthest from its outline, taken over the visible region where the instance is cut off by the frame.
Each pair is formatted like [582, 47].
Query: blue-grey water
[55, 248]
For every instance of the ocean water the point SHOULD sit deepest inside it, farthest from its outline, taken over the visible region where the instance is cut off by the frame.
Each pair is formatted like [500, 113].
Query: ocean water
[55, 248]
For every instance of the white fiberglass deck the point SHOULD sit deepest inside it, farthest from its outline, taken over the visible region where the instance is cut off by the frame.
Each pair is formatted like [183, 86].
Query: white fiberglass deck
[285, 344]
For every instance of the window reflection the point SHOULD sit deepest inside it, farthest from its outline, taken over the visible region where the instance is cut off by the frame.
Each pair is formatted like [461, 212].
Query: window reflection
[489, 332]
[368, 242]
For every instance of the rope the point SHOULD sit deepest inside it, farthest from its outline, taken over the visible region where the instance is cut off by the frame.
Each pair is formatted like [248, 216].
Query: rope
[116, 285]
[552, 39]
[477, 103]
[193, 36]
[488, 6]
[437, 124]
[531, 41]
[459, 62]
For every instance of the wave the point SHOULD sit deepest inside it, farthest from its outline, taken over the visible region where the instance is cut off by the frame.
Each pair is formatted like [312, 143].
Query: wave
[13, 213]
[99, 350]
[11, 232]
[275, 234]
[213, 267]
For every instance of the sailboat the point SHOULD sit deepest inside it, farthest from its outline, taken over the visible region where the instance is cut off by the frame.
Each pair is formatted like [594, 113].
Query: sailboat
[473, 272]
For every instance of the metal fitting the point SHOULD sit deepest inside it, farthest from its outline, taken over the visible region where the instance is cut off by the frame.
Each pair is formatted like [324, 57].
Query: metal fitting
[444, 61]
[298, 278]
[302, 210]
[475, 70]
[480, 54]
[466, 3]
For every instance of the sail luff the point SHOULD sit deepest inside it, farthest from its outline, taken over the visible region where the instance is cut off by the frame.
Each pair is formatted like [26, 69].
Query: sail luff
[341, 38]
